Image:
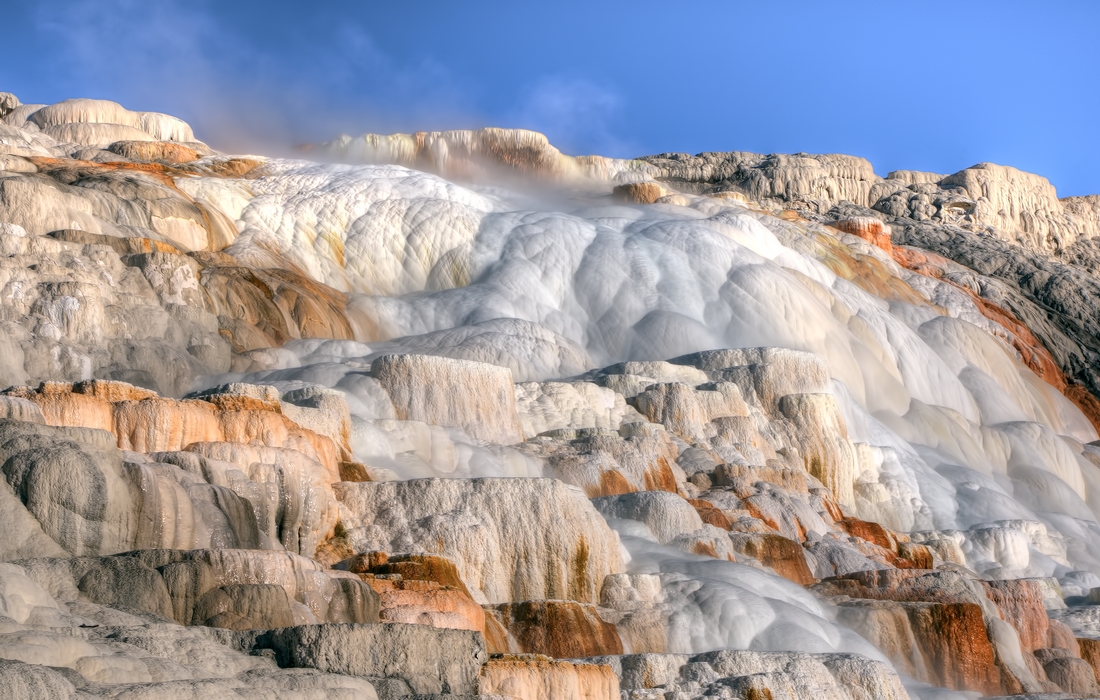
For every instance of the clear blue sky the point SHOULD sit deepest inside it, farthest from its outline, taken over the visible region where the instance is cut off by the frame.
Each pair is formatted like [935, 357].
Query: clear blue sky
[909, 85]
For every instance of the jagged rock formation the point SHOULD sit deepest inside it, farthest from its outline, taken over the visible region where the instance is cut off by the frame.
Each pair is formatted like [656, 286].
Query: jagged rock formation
[725, 425]
[748, 674]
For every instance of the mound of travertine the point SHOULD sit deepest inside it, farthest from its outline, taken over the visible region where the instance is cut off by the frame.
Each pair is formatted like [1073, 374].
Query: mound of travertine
[171, 524]
[249, 538]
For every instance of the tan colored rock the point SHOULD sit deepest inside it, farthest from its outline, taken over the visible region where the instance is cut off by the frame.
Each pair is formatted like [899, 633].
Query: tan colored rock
[427, 660]
[1021, 604]
[638, 192]
[290, 493]
[144, 422]
[675, 407]
[427, 603]
[316, 596]
[1023, 206]
[886, 625]
[20, 409]
[788, 479]
[815, 181]
[165, 152]
[545, 406]
[476, 154]
[418, 589]
[665, 514]
[491, 528]
[557, 628]
[8, 103]
[534, 677]
[868, 228]
[784, 556]
[264, 308]
[244, 606]
[1090, 651]
[1074, 676]
[81, 312]
[476, 397]
[604, 463]
[822, 437]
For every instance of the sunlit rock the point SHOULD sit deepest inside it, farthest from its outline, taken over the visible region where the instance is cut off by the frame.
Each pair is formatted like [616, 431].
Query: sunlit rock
[492, 526]
[476, 397]
[535, 677]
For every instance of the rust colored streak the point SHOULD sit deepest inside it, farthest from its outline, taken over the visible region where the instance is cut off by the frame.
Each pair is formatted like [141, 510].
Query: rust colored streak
[711, 515]
[784, 556]
[952, 639]
[870, 230]
[1090, 651]
[1032, 351]
[558, 628]
[612, 483]
[872, 532]
[162, 173]
[661, 479]
[1021, 605]
[411, 567]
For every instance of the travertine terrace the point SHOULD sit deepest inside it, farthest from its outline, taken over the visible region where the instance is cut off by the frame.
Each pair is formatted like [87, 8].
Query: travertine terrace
[454, 415]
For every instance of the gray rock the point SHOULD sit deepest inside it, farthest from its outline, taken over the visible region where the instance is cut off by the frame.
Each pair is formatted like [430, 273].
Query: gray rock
[477, 397]
[754, 674]
[244, 606]
[430, 660]
[20, 410]
[490, 528]
[667, 515]
[33, 682]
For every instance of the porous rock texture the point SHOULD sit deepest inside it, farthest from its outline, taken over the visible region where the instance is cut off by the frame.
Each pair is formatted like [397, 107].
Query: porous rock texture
[748, 674]
[727, 425]
[490, 528]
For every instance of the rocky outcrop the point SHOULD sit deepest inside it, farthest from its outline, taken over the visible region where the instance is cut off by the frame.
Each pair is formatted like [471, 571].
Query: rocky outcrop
[76, 310]
[93, 499]
[1016, 206]
[636, 457]
[946, 630]
[476, 397]
[235, 589]
[752, 674]
[491, 527]
[419, 589]
[556, 628]
[473, 154]
[234, 413]
[427, 660]
[354, 483]
[534, 677]
[638, 192]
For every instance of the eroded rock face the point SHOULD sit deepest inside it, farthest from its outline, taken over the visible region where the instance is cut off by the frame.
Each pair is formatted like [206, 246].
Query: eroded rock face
[988, 636]
[913, 432]
[216, 588]
[476, 397]
[534, 677]
[491, 528]
[420, 589]
[75, 311]
[428, 660]
[556, 628]
[249, 476]
[756, 674]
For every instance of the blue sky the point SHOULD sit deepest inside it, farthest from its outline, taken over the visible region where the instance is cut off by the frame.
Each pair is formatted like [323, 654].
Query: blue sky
[909, 85]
